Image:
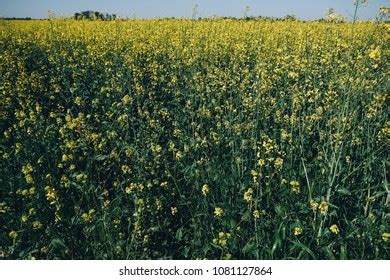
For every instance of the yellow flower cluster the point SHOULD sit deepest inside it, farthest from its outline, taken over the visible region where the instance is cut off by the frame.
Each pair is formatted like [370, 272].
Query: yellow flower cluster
[375, 54]
[174, 210]
[87, 216]
[27, 171]
[334, 229]
[248, 195]
[298, 231]
[314, 205]
[256, 214]
[218, 212]
[13, 234]
[205, 189]
[295, 186]
[222, 239]
[323, 207]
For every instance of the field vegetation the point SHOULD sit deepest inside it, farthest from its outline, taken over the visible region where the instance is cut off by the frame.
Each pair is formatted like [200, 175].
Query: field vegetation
[193, 139]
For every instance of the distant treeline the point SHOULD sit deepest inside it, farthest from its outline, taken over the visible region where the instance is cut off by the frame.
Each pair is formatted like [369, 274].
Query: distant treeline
[331, 16]
[93, 15]
[15, 18]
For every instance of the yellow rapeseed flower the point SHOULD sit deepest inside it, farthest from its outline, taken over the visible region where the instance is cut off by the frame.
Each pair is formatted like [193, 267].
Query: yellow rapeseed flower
[32, 211]
[13, 234]
[24, 218]
[178, 155]
[313, 204]
[218, 212]
[37, 224]
[85, 217]
[222, 238]
[323, 207]
[174, 210]
[77, 101]
[278, 163]
[31, 191]
[18, 147]
[295, 186]
[126, 99]
[255, 175]
[248, 195]
[205, 189]
[334, 229]
[298, 231]
[375, 54]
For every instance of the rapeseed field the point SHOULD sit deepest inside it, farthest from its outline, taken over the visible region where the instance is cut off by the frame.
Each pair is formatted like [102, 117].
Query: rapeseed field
[194, 139]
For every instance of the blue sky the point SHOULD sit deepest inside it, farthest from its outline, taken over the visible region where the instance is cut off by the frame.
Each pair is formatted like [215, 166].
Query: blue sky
[304, 9]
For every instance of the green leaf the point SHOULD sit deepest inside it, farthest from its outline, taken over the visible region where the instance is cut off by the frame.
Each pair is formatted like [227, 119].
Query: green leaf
[344, 191]
[304, 248]
[179, 234]
[57, 244]
[250, 246]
